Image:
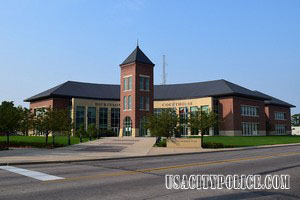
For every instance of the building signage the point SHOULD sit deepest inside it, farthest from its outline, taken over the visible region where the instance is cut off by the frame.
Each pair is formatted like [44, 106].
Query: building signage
[180, 104]
[107, 104]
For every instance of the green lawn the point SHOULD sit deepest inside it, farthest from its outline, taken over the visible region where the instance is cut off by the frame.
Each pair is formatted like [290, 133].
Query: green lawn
[246, 141]
[38, 141]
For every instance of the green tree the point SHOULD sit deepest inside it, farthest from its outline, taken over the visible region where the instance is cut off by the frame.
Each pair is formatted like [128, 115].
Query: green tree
[81, 132]
[9, 119]
[164, 124]
[26, 120]
[202, 121]
[43, 122]
[92, 131]
[296, 120]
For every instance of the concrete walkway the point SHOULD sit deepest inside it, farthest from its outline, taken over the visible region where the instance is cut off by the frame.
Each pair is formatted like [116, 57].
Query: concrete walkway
[112, 147]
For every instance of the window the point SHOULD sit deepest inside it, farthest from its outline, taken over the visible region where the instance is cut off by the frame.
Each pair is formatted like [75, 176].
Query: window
[125, 84]
[141, 83]
[115, 120]
[124, 103]
[194, 109]
[280, 116]
[80, 112]
[249, 111]
[183, 117]
[127, 124]
[250, 128]
[130, 83]
[216, 106]
[141, 103]
[103, 118]
[143, 131]
[204, 108]
[129, 102]
[157, 111]
[280, 129]
[91, 115]
[147, 83]
[147, 103]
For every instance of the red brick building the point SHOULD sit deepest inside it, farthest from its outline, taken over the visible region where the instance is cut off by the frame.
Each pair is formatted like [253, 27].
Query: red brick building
[122, 108]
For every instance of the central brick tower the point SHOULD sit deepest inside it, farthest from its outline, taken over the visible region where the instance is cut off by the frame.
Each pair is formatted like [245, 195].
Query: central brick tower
[136, 93]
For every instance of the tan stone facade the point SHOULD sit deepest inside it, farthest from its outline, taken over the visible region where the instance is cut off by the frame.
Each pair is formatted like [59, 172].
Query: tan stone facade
[97, 104]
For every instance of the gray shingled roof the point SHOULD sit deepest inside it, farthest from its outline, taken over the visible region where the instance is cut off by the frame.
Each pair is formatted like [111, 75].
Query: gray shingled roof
[137, 56]
[274, 101]
[74, 89]
[215, 88]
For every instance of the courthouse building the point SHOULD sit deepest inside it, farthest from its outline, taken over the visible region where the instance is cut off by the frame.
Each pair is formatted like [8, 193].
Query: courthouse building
[123, 108]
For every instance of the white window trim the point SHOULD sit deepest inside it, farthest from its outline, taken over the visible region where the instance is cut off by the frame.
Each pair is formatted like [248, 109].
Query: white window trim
[258, 124]
[249, 115]
[127, 76]
[284, 113]
[146, 76]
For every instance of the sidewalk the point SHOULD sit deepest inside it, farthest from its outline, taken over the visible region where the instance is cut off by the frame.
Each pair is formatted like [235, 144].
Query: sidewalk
[107, 148]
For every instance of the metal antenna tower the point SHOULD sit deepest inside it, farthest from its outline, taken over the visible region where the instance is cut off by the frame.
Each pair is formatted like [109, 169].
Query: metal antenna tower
[164, 75]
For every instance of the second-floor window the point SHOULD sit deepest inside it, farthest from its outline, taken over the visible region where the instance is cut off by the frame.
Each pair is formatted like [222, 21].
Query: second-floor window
[141, 103]
[144, 83]
[280, 116]
[249, 110]
[127, 82]
[147, 103]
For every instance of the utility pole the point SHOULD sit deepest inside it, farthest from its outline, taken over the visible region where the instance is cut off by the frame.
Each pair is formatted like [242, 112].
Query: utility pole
[164, 75]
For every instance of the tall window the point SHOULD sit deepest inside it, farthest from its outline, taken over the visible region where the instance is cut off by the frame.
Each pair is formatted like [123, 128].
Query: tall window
[91, 115]
[130, 83]
[194, 131]
[249, 110]
[124, 103]
[129, 102]
[183, 117]
[141, 103]
[216, 106]
[125, 83]
[147, 83]
[143, 131]
[250, 128]
[280, 116]
[142, 83]
[115, 120]
[103, 118]
[147, 103]
[80, 112]
[127, 126]
[280, 129]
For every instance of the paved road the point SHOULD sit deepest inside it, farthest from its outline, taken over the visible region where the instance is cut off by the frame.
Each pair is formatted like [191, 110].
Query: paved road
[144, 178]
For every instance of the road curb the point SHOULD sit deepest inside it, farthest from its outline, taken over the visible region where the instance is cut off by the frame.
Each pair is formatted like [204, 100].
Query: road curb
[146, 156]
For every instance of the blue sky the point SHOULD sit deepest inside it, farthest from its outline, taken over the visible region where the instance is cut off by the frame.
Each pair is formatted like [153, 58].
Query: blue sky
[255, 44]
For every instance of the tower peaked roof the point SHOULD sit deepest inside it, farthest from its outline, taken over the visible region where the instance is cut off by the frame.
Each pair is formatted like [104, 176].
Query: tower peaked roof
[137, 56]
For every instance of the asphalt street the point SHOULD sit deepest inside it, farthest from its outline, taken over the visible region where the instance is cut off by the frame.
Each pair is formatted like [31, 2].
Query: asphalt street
[144, 178]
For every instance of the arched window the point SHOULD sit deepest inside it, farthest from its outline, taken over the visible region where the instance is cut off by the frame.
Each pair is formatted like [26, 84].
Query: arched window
[127, 126]
[129, 102]
[124, 105]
